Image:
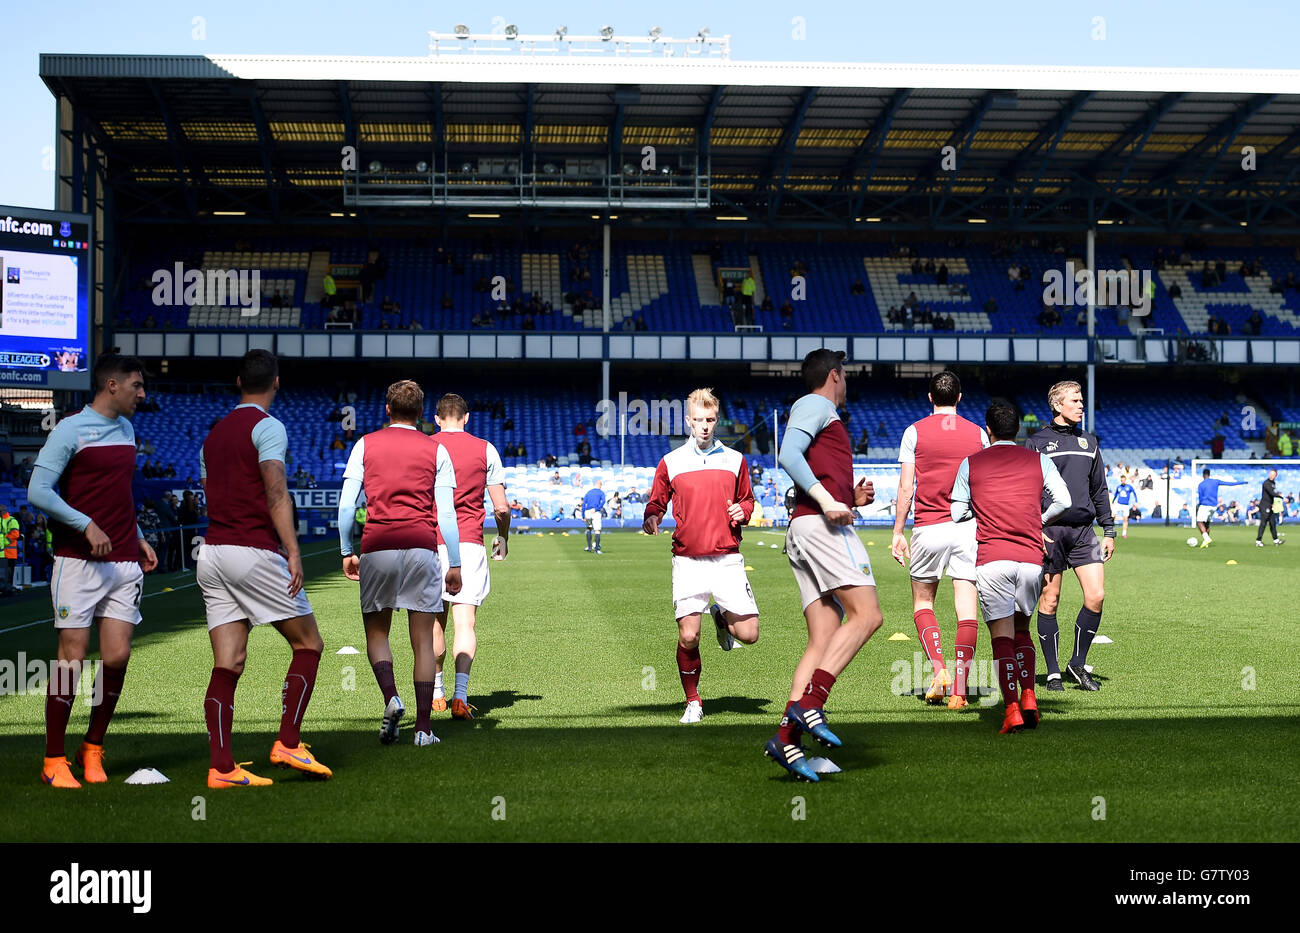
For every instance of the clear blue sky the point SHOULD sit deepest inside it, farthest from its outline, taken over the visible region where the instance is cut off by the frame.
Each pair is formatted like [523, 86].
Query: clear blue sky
[1192, 33]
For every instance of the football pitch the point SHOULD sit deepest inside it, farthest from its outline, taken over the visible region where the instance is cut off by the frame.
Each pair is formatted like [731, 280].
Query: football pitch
[1192, 737]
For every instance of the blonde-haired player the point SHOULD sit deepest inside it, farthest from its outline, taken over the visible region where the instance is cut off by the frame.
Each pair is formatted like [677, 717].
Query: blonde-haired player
[708, 485]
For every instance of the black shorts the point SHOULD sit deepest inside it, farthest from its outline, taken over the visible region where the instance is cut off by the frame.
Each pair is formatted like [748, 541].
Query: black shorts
[1071, 547]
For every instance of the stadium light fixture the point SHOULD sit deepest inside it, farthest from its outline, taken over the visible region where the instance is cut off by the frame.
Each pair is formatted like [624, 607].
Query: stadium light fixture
[483, 216]
[462, 31]
[337, 214]
[422, 166]
[512, 31]
[1104, 222]
[655, 33]
[870, 220]
[550, 168]
[976, 220]
[629, 168]
[466, 168]
[228, 213]
[704, 33]
[606, 33]
[729, 217]
[561, 32]
[375, 167]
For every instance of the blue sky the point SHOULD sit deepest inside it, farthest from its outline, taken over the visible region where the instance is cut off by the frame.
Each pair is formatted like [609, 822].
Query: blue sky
[1144, 33]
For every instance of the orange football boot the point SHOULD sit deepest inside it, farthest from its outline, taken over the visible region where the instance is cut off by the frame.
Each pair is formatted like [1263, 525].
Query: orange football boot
[56, 773]
[299, 759]
[938, 686]
[91, 758]
[1029, 707]
[460, 709]
[1012, 721]
[237, 778]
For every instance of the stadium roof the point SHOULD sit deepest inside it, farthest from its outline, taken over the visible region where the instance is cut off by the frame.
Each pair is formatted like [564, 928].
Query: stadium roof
[783, 144]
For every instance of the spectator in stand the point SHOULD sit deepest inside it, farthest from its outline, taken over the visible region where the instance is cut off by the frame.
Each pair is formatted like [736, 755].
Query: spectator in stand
[447, 303]
[863, 445]
[641, 324]
[555, 478]
[188, 513]
[1049, 317]
[858, 288]
[337, 443]
[941, 276]
[1285, 446]
[551, 461]
[168, 554]
[991, 306]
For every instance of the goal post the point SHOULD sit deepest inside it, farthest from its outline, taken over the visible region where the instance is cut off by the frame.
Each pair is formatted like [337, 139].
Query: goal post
[1251, 473]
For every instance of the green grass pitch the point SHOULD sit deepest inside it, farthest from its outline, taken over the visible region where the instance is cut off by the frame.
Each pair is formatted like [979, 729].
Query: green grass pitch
[1193, 736]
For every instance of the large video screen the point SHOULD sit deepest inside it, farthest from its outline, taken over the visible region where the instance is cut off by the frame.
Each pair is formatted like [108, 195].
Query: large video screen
[44, 299]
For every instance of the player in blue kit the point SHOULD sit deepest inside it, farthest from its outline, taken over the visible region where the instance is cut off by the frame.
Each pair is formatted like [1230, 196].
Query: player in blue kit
[1207, 497]
[1125, 496]
[593, 505]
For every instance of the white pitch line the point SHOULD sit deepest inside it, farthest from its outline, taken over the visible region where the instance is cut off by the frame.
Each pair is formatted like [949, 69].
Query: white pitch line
[183, 586]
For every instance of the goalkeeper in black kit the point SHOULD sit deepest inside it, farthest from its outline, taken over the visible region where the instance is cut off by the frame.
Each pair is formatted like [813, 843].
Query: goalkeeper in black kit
[1071, 541]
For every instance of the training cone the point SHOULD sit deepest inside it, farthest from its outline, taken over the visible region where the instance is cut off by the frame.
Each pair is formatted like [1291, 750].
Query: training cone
[898, 636]
[1232, 563]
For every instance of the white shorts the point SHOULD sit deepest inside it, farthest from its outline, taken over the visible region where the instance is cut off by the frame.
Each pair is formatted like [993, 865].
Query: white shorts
[475, 584]
[405, 578]
[1205, 513]
[949, 545]
[85, 590]
[1008, 586]
[593, 516]
[722, 576]
[825, 557]
[250, 583]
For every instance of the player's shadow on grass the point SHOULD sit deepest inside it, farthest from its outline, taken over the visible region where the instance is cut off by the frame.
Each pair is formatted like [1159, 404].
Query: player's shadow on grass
[746, 706]
[502, 699]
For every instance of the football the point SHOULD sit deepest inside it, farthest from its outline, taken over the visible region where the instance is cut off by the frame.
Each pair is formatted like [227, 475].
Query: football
[1191, 542]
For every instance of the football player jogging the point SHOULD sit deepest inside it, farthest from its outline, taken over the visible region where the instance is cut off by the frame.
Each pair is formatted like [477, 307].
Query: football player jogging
[82, 480]
[1003, 487]
[1071, 541]
[1125, 496]
[1207, 498]
[479, 474]
[403, 473]
[250, 572]
[928, 457]
[831, 568]
[709, 488]
[1268, 514]
[593, 510]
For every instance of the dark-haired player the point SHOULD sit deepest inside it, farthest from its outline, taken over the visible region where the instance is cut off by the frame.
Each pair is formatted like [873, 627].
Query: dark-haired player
[1004, 487]
[479, 475]
[82, 480]
[404, 474]
[250, 571]
[928, 458]
[1072, 542]
[830, 565]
